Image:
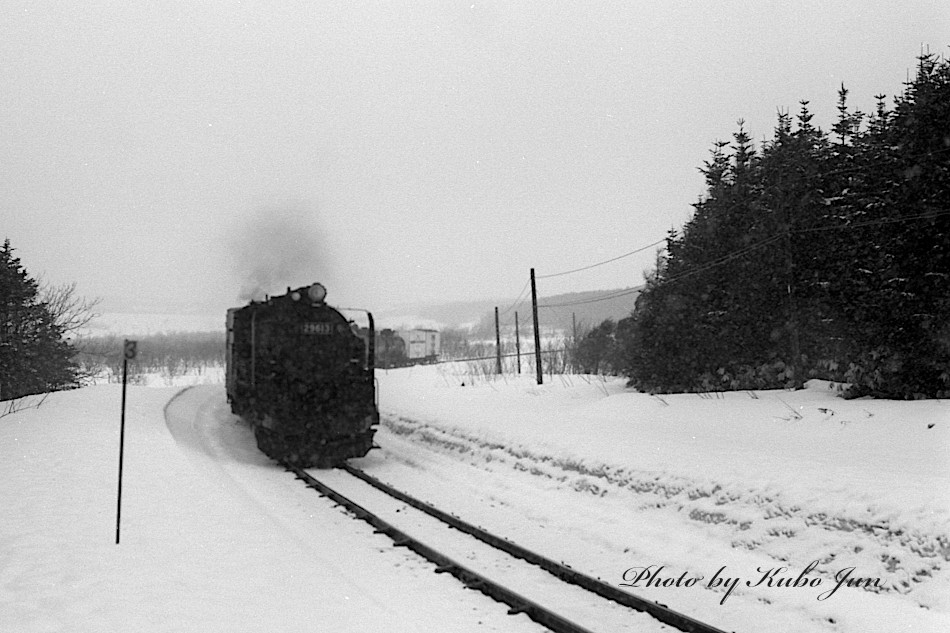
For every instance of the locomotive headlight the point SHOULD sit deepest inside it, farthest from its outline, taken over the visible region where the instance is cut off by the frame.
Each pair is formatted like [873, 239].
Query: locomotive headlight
[317, 292]
[295, 296]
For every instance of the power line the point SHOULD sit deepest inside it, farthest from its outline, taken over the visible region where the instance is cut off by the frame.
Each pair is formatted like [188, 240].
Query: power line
[607, 261]
[613, 295]
[717, 262]
[713, 264]
[731, 256]
[511, 319]
[753, 247]
[515, 304]
[725, 259]
[858, 225]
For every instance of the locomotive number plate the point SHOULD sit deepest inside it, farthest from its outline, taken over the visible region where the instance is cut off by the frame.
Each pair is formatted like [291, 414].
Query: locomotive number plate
[324, 329]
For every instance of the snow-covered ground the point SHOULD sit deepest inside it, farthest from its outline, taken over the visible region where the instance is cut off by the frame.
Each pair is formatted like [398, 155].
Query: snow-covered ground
[215, 538]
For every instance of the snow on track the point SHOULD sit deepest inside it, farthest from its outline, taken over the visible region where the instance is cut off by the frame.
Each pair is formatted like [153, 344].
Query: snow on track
[577, 605]
[214, 536]
[338, 562]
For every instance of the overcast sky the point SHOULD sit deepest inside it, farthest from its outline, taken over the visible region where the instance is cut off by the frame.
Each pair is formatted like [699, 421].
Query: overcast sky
[168, 155]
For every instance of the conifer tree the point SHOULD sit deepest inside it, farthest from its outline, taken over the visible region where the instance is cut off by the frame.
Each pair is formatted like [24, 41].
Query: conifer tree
[898, 292]
[34, 358]
[596, 350]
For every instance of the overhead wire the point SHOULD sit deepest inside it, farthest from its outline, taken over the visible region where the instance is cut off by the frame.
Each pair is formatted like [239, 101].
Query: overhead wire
[728, 257]
[859, 225]
[515, 303]
[731, 256]
[621, 293]
[607, 261]
[717, 262]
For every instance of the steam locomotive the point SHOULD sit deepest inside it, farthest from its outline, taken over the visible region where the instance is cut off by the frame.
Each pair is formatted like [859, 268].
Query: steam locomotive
[303, 376]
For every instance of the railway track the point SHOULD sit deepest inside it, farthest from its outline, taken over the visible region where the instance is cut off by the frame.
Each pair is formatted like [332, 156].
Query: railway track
[661, 615]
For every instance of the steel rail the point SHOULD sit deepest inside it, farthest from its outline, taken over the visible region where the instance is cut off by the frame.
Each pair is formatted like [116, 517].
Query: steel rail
[471, 579]
[657, 610]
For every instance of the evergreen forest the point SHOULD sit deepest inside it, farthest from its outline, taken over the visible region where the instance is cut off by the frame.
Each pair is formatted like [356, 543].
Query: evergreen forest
[820, 254]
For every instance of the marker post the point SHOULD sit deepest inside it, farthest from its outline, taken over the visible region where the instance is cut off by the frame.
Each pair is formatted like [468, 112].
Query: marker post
[128, 354]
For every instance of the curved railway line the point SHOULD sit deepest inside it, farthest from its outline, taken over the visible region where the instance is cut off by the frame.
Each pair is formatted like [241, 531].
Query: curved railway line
[517, 602]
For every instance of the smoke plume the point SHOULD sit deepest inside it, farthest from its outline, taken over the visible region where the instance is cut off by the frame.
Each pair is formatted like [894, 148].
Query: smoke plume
[278, 247]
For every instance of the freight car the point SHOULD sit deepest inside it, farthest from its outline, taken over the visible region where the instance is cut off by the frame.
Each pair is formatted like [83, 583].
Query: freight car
[303, 376]
[399, 348]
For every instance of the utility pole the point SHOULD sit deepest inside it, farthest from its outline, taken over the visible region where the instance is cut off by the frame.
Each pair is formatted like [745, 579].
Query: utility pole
[497, 342]
[573, 339]
[517, 341]
[537, 330]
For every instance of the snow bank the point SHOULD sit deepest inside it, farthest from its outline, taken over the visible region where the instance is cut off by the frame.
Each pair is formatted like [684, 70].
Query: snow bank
[743, 479]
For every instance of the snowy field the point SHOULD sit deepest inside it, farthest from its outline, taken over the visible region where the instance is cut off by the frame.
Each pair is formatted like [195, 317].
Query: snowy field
[615, 483]
[145, 323]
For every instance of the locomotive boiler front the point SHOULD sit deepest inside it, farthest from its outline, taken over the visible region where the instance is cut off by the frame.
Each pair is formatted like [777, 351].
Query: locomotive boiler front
[302, 376]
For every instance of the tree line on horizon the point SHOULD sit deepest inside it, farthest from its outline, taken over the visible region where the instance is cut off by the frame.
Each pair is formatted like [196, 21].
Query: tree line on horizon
[819, 255]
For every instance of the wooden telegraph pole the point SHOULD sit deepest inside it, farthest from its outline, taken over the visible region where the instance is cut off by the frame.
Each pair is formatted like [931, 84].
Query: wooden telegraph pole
[497, 343]
[573, 353]
[537, 331]
[517, 342]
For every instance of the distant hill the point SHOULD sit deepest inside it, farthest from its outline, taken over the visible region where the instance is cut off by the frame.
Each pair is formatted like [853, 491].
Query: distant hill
[456, 314]
[589, 308]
